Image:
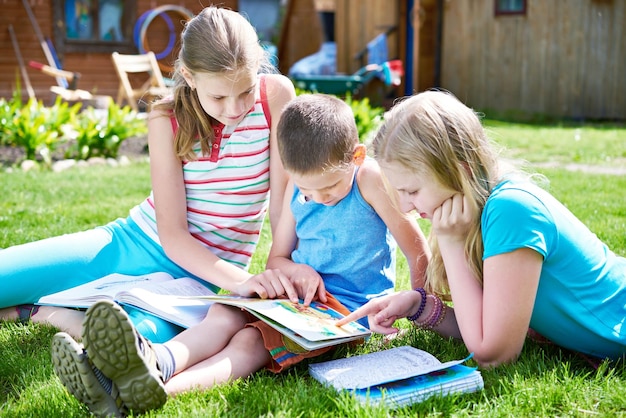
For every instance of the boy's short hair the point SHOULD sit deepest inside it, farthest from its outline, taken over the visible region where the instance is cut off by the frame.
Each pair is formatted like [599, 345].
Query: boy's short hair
[316, 132]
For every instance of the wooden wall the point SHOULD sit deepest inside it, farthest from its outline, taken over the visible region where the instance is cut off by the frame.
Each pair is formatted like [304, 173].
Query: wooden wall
[301, 33]
[97, 72]
[357, 23]
[564, 58]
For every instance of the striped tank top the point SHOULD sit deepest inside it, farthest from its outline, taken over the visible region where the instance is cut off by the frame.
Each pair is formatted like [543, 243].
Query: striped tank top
[228, 191]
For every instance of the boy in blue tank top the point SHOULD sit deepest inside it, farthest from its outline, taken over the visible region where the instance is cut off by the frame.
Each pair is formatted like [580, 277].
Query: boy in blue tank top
[335, 241]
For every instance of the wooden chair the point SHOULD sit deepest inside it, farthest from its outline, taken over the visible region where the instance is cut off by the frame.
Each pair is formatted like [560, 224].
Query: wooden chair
[144, 72]
[66, 88]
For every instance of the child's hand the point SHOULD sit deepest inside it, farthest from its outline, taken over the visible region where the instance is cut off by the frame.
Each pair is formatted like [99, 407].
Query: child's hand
[382, 312]
[453, 219]
[270, 284]
[308, 284]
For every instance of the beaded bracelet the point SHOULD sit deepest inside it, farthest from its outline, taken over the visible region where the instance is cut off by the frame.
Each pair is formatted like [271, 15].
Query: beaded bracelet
[420, 310]
[437, 314]
[439, 320]
[432, 316]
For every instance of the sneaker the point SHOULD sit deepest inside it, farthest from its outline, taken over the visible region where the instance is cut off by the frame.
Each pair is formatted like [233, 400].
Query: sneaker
[85, 383]
[123, 355]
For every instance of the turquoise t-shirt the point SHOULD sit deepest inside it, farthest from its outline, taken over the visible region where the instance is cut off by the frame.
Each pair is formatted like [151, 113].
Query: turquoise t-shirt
[581, 299]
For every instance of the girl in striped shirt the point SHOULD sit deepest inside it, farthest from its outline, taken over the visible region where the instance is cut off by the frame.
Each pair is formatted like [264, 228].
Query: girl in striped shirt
[212, 149]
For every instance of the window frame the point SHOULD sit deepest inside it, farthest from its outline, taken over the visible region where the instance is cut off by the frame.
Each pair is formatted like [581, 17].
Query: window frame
[499, 12]
[65, 45]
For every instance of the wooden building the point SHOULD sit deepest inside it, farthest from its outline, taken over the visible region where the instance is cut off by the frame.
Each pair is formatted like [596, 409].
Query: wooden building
[92, 59]
[410, 27]
[556, 58]
[549, 57]
[563, 59]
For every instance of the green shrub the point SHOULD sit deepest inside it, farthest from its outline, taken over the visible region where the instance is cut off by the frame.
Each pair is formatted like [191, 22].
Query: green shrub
[41, 130]
[98, 136]
[38, 129]
[101, 136]
[8, 110]
[366, 116]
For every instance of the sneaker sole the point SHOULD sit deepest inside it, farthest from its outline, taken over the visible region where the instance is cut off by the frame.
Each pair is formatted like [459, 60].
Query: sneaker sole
[110, 340]
[76, 374]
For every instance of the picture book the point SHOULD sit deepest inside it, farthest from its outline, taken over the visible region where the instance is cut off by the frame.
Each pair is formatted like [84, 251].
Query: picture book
[311, 326]
[397, 376]
[157, 293]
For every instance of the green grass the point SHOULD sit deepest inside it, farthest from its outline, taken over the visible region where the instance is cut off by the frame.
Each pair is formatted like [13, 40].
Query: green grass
[546, 381]
[579, 144]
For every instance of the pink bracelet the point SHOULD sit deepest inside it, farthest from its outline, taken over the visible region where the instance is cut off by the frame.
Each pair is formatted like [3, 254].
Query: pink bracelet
[436, 315]
[442, 315]
[425, 323]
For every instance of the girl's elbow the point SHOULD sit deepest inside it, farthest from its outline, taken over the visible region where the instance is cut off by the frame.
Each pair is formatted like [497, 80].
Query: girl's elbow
[488, 363]
[170, 242]
[489, 358]
[170, 251]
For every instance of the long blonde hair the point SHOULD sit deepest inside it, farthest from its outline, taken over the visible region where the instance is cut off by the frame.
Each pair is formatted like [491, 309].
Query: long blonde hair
[216, 41]
[433, 132]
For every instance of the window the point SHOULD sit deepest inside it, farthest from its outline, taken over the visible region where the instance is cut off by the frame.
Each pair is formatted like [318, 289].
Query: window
[94, 25]
[510, 7]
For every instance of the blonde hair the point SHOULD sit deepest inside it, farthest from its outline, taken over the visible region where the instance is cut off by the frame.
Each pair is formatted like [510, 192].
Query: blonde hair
[216, 41]
[434, 133]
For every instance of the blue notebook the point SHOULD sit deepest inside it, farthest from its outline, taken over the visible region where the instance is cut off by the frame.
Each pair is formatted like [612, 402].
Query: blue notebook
[398, 376]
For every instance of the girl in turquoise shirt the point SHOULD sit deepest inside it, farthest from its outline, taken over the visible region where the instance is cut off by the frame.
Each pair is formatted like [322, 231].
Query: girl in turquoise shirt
[506, 253]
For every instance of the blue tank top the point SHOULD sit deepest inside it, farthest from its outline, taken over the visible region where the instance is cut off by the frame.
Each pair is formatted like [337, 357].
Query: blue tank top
[348, 244]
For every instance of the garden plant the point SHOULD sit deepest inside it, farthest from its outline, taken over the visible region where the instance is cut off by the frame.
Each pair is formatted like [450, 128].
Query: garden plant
[40, 130]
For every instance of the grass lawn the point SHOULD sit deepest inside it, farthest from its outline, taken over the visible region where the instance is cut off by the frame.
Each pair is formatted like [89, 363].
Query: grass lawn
[546, 381]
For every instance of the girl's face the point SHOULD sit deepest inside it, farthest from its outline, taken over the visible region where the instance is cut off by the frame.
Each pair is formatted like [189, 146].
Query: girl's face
[326, 187]
[227, 97]
[417, 191]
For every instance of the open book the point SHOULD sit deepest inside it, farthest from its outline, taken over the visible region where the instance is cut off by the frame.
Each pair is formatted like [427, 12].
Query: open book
[311, 326]
[397, 376]
[156, 293]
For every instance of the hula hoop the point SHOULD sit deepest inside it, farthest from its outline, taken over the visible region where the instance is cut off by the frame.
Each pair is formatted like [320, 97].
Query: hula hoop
[170, 26]
[186, 14]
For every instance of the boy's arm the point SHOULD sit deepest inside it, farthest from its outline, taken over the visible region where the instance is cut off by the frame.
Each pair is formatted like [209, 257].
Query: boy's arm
[402, 226]
[305, 279]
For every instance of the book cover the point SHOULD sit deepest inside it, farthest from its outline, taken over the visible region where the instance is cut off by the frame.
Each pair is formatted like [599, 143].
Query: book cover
[398, 376]
[310, 326]
[157, 293]
[454, 379]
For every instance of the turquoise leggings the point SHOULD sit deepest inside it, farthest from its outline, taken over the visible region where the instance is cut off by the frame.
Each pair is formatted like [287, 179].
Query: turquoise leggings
[31, 270]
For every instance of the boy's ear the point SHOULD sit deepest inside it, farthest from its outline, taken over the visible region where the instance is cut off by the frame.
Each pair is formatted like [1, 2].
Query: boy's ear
[188, 77]
[360, 151]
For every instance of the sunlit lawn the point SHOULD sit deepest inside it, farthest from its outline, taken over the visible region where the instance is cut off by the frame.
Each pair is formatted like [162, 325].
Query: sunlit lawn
[546, 381]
